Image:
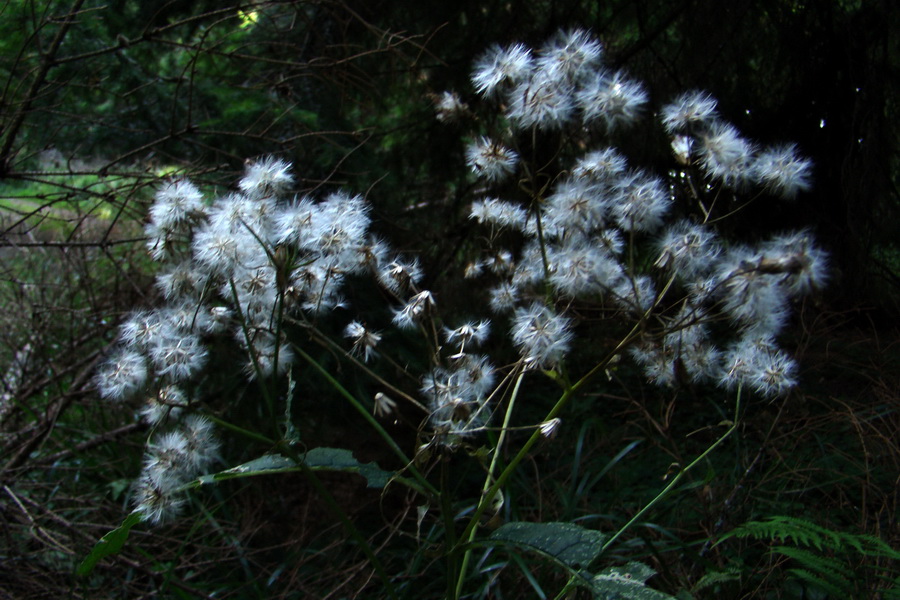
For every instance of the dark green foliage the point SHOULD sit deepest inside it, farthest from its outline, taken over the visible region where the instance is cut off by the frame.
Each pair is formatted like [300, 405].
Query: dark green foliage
[571, 545]
[833, 562]
[135, 90]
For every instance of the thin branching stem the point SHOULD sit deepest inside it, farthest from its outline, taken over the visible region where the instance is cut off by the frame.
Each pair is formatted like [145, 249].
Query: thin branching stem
[370, 419]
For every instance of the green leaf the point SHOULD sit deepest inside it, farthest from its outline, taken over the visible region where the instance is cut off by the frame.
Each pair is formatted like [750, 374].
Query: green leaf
[567, 543]
[626, 582]
[109, 544]
[713, 578]
[813, 579]
[317, 459]
[340, 459]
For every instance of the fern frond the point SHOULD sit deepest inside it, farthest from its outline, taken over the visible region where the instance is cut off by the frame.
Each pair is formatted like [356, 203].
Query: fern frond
[716, 577]
[812, 579]
[829, 568]
[875, 546]
[783, 528]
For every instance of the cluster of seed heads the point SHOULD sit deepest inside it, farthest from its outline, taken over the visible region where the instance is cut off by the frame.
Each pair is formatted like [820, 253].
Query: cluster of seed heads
[235, 267]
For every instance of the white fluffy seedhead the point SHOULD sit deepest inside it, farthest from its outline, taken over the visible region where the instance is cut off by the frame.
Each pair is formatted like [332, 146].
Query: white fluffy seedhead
[202, 445]
[504, 297]
[726, 156]
[576, 205]
[177, 204]
[635, 294]
[782, 171]
[123, 375]
[141, 329]
[755, 362]
[570, 56]
[178, 356]
[491, 160]
[750, 293]
[340, 224]
[501, 66]
[688, 250]
[167, 403]
[293, 222]
[449, 107]
[182, 280]
[155, 503]
[469, 334]
[804, 266]
[611, 98]
[400, 275]
[268, 358]
[640, 202]
[419, 307]
[582, 269]
[500, 213]
[216, 251]
[457, 396]
[266, 177]
[541, 102]
[690, 112]
[542, 336]
[603, 166]
[364, 340]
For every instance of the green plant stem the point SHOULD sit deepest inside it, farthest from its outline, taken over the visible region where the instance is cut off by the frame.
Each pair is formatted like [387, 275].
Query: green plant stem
[677, 478]
[495, 459]
[662, 494]
[279, 299]
[450, 538]
[370, 419]
[567, 395]
[324, 339]
[270, 404]
[240, 430]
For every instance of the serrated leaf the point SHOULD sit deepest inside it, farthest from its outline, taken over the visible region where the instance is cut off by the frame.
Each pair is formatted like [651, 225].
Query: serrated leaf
[627, 582]
[340, 459]
[317, 459]
[568, 543]
[109, 544]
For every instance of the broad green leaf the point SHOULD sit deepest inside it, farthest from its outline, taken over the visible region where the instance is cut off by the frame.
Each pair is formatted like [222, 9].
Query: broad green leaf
[109, 544]
[568, 543]
[340, 459]
[317, 459]
[627, 582]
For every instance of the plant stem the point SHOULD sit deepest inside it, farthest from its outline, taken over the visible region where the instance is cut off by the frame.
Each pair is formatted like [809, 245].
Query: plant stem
[557, 408]
[677, 478]
[240, 430]
[270, 404]
[370, 419]
[495, 459]
[662, 494]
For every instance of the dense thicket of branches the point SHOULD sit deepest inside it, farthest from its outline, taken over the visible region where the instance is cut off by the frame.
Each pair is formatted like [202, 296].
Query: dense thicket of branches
[100, 100]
